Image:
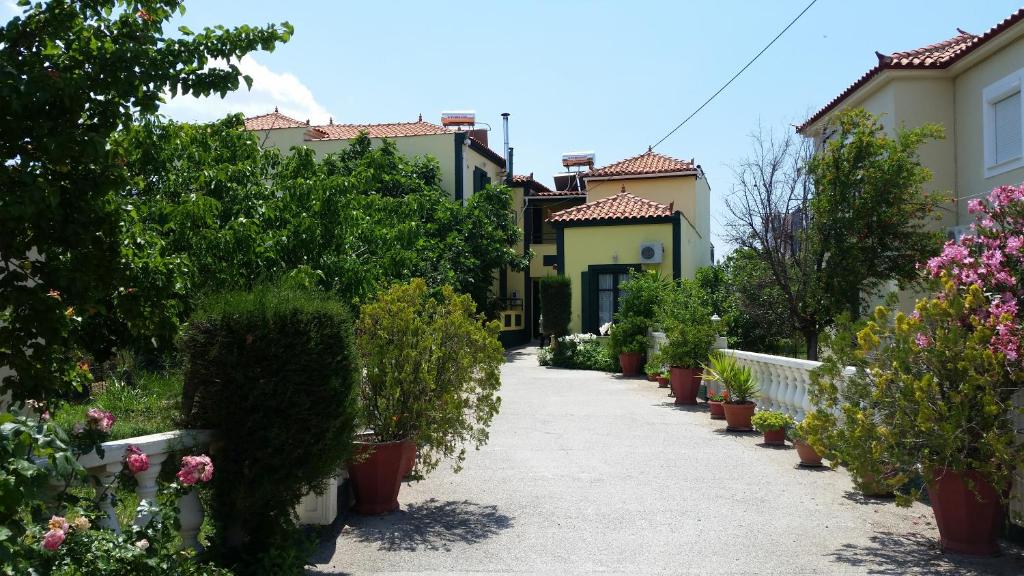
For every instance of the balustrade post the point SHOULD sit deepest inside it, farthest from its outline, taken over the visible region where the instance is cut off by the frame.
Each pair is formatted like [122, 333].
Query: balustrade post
[103, 484]
[190, 517]
[145, 486]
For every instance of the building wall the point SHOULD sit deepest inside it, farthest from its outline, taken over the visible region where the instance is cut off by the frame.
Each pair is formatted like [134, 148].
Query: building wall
[971, 180]
[618, 244]
[537, 267]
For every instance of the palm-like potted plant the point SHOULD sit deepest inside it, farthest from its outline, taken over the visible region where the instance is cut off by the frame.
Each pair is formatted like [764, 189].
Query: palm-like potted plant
[741, 388]
[628, 340]
[690, 334]
[773, 425]
[430, 382]
[809, 457]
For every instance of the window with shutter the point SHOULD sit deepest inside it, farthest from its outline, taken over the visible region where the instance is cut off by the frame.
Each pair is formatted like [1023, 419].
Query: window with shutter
[1007, 128]
[1002, 125]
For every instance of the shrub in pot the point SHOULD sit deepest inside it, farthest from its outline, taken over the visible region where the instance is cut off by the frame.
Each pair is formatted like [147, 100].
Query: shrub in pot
[663, 379]
[716, 401]
[773, 425]
[628, 341]
[431, 376]
[937, 386]
[690, 335]
[808, 455]
[740, 386]
[555, 306]
[272, 370]
[653, 368]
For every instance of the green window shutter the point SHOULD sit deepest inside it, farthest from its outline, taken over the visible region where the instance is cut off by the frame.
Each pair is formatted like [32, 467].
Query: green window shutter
[585, 297]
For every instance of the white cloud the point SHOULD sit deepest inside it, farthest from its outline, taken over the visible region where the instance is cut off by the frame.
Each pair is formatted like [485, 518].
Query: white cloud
[269, 89]
[9, 8]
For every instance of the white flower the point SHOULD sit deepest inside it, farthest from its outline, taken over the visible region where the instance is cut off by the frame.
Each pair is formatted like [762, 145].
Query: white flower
[605, 328]
[142, 544]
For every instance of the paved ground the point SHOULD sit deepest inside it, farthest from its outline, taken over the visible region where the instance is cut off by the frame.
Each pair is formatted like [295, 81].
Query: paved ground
[588, 473]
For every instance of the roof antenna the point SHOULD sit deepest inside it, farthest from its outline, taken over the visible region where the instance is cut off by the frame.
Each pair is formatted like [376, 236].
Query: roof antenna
[650, 148]
[331, 121]
[275, 108]
[421, 117]
[623, 191]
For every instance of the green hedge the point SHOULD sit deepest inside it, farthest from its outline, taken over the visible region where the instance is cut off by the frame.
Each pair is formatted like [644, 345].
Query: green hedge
[272, 371]
[556, 304]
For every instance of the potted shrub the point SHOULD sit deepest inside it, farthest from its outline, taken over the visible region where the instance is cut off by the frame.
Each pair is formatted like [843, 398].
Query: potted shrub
[809, 457]
[429, 386]
[773, 425]
[663, 379]
[716, 401]
[740, 386]
[653, 368]
[628, 340]
[690, 335]
[938, 386]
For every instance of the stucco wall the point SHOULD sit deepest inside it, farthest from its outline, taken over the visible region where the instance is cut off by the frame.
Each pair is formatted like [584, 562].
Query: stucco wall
[589, 245]
[971, 180]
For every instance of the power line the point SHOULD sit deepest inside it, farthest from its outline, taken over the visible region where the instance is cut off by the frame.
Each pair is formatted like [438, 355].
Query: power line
[737, 75]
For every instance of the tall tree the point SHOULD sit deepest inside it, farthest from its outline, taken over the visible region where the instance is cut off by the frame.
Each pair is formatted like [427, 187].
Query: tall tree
[71, 74]
[834, 224]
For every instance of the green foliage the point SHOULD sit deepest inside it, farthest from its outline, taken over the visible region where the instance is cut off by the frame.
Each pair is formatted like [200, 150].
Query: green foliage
[556, 304]
[756, 317]
[72, 75]
[148, 405]
[738, 380]
[579, 352]
[687, 323]
[925, 392]
[628, 334]
[769, 420]
[431, 371]
[272, 370]
[654, 365]
[643, 295]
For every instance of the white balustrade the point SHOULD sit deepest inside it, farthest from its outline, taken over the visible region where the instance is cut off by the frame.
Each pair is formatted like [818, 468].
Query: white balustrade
[157, 447]
[783, 382]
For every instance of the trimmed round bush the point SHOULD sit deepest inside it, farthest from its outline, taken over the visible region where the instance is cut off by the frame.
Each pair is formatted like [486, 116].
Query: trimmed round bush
[272, 371]
[556, 304]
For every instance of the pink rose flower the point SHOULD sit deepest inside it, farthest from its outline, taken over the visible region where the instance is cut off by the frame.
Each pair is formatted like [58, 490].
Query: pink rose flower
[53, 539]
[57, 523]
[136, 459]
[195, 469]
[101, 420]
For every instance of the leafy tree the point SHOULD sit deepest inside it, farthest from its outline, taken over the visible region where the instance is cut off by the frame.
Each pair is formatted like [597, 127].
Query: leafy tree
[833, 226]
[556, 305]
[756, 316]
[71, 75]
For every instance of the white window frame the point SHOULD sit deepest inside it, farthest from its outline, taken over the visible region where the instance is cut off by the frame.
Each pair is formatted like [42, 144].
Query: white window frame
[992, 94]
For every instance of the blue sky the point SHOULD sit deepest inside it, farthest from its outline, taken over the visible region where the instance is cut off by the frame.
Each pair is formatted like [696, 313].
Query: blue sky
[612, 77]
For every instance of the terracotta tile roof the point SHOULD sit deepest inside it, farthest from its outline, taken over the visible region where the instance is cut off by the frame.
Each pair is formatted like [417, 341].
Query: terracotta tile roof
[272, 121]
[649, 162]
[932, 57]
[530, 183]
[387, 130]
[622, 206]
[486, 152]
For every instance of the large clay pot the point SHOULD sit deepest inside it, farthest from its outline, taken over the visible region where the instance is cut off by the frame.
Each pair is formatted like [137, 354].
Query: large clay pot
[662, 382]
[685, 382]
[737, 416]
[630, 363]
[409, 459]
[376, 473]
[808, 456]
[775, 437]
[716, 410]
[969, 520]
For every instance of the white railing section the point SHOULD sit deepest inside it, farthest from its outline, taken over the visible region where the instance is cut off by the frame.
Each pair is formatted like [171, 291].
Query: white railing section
[783, 382]
[158, 447]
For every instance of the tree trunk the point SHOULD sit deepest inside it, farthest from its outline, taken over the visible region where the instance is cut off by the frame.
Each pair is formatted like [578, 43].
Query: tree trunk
[812, 344]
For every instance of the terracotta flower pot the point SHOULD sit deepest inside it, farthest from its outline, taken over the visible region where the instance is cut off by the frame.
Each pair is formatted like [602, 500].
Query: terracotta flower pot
[969, 520]
[630, 363]
[737, 416]
[808, 456]
[685, 382]
[662, 382]
[652, 377]
[376, 473]
[409, 459]
[775, 437]
[716, 410]
[871, 487]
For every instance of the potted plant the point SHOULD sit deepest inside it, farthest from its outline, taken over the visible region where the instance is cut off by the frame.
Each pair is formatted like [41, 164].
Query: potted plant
[740, 385]
[716, 401]
[773, 425]
[653, 368]
[429, 386]
[690, 335]
[628, 340]
[937, 387]
[809, 457]
[663, 379]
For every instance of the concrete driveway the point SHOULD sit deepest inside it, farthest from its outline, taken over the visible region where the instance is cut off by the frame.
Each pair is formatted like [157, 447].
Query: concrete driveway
[589, 473]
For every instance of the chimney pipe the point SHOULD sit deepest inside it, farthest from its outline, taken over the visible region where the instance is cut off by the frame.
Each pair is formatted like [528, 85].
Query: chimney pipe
[508, 167]
[504, 122]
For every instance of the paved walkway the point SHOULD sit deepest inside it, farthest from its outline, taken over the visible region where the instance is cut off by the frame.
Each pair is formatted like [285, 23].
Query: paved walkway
[588, 473]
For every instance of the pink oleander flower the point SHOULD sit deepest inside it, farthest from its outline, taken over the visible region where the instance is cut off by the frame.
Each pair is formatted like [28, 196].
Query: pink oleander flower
[101, 420]
[922, 340]
[136, 459]
[57, 523]
[974, 206]
[195, 469]
[53, 539]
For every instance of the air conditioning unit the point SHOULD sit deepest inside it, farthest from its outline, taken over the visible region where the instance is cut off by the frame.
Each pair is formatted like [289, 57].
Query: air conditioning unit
[651, 252]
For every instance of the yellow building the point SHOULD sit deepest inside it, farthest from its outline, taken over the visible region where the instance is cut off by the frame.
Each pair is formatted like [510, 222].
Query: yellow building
[970, 84]
[650, 212]
[467, 164]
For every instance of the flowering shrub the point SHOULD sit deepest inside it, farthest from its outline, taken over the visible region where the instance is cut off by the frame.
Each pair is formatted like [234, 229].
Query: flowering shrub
[934, 390]
[579, 352]
[195, 469]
